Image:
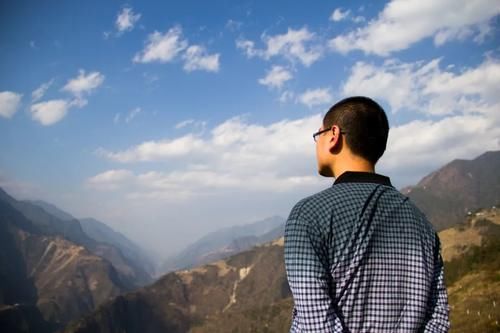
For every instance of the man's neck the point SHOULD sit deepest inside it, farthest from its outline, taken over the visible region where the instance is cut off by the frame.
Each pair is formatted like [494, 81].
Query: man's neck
[354, 164]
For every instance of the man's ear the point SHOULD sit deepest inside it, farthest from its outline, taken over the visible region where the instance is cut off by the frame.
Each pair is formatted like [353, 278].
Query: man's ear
[335, 139]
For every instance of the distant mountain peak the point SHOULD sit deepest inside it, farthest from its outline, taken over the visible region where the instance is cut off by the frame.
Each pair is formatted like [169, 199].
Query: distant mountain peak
[448, 193]
[225, 242]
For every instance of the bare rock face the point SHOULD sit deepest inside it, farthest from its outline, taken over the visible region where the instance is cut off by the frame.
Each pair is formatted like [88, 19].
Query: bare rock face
[69, 279]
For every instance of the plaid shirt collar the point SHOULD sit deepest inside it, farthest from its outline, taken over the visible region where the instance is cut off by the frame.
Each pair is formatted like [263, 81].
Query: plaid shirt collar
[362, 177]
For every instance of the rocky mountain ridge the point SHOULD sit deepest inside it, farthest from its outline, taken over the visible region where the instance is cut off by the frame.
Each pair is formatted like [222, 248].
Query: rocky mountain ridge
[448, 194]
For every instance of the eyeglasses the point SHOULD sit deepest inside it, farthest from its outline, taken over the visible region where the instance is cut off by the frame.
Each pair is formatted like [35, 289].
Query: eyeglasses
[315, 135]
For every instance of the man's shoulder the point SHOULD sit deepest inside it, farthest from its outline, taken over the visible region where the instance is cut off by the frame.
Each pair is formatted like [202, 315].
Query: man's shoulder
[337, 194]
[311, 206]
[340, 197]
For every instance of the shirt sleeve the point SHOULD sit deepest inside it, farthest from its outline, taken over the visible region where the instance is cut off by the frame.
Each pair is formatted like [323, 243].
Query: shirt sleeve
[309, 280]
[438, 308]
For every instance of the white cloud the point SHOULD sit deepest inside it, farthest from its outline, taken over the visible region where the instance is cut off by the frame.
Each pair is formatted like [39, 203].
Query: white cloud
[116, 118]
[39, 92]
[339, 15]
[186, 184]
[132, 114]
[49, 112]
[84, 83]
[126, 19]
[276, 77]
[162, 47]
[111, 179]
[295, 45]
[9, 103]
[197, 58]
[314, 97]
[405, 22]
[425, 87]
[155, 150]
[393, 82]
[482, 81]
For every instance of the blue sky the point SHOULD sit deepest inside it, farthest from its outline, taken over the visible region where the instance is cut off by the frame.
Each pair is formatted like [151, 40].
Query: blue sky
[168, 120]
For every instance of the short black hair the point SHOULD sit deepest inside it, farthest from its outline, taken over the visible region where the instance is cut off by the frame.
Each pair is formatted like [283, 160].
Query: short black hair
[365, 123]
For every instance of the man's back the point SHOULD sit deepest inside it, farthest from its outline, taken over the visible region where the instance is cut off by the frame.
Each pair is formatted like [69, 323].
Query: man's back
[360, 257]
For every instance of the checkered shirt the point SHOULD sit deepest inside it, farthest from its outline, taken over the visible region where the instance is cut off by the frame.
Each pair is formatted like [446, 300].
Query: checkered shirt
[360, 257]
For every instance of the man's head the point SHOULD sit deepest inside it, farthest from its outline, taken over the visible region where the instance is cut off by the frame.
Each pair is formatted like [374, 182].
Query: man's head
[357, 130]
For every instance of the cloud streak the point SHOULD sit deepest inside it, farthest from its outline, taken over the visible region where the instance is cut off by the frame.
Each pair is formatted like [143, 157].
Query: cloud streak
[39, 92]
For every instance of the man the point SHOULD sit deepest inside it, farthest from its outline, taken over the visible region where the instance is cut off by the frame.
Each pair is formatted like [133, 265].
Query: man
[359, 256]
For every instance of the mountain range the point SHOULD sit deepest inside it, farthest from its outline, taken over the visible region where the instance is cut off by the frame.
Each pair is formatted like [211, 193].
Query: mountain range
[225, 242]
